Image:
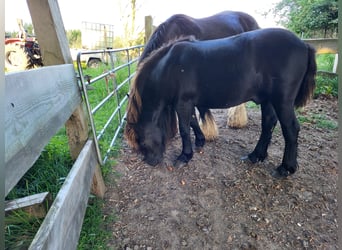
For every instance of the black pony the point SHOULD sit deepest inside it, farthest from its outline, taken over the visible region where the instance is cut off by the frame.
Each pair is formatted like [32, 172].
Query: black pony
[271, 67]
[223, 24]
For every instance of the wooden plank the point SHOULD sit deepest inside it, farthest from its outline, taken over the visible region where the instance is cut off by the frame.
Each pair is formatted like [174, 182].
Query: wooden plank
[38, 102]
[62, 225]
[35, 205]
[49, 29]
[324, 45]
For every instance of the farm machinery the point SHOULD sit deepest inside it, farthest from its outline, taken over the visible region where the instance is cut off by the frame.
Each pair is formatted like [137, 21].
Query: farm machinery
[22, 52]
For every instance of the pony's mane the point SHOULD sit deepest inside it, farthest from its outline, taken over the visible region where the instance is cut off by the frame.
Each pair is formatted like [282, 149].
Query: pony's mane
[174, 27]
[134, 100]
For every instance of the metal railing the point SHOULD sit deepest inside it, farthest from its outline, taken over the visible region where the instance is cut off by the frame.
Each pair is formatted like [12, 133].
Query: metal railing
[116, 60]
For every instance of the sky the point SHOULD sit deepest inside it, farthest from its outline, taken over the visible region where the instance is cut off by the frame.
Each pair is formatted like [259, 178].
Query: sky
[115, 11]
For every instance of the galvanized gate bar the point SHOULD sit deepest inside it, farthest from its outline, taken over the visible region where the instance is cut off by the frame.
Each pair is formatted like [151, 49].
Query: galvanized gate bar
[118, 112]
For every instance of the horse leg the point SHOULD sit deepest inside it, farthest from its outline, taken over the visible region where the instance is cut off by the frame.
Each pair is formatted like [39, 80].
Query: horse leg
[184, 112]
[290, 128]
[268, 122]
[199, 136]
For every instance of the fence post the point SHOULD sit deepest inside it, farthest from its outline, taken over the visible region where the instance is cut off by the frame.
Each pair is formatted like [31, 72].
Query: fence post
[335, 64]
[53, 42]
[148, 27]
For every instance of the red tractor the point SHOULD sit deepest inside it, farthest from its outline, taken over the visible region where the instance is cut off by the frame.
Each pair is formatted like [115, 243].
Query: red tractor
[22, 52]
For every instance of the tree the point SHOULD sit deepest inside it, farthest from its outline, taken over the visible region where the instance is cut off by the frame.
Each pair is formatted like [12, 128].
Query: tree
[308, 18]
[74, 38]
[29, 28]
[131, 34]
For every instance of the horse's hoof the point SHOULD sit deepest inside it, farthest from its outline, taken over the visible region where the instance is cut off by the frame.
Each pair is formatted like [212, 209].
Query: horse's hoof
[280, 173]
[180, 164]
[199, 150]
[245, 158]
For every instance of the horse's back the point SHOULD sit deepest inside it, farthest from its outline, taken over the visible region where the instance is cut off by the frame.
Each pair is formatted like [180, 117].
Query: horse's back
[267, 59]
[274, 48]
[224, 24]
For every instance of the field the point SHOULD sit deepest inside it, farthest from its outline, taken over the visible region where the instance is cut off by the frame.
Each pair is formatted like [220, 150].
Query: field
[103, 218]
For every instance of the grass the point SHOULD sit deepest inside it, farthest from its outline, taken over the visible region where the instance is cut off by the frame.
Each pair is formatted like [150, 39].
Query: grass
[326, 84]
[325, 62]
[94, 234]
[20, 229]
[318, 120]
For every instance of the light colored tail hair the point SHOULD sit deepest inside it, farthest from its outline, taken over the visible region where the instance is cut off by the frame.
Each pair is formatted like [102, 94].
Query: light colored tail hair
[237, 116]
[208, 126]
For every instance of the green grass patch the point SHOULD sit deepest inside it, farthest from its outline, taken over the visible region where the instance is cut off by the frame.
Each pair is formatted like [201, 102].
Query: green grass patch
[252, 105]
[325, 62]
[326, 84]
[317, 120]
[94, 234]
[49, 171]
[20, 229]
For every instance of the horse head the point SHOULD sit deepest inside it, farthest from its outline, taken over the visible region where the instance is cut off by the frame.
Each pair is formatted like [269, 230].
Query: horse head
[145, 137]
[151, 143]
[150, 120]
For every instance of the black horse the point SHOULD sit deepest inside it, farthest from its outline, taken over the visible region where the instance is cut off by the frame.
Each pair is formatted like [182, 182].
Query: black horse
[223, 24]
[271, 67]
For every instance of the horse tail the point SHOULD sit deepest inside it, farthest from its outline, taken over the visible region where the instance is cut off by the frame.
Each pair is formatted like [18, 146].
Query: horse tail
[208, 125]
[308, 84]
[247, 22]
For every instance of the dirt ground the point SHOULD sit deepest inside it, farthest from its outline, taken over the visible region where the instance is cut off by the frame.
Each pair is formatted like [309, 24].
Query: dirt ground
[219, 202]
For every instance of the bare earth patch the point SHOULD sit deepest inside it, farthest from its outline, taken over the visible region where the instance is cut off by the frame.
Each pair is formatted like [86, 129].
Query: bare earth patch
[219, 202]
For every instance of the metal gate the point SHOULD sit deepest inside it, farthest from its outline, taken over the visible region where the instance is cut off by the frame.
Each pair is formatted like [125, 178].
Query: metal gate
[105, 90]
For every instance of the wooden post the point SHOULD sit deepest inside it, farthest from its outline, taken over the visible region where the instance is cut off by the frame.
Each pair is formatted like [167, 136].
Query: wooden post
[148, 27]
[53, 42]
[335, 64]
